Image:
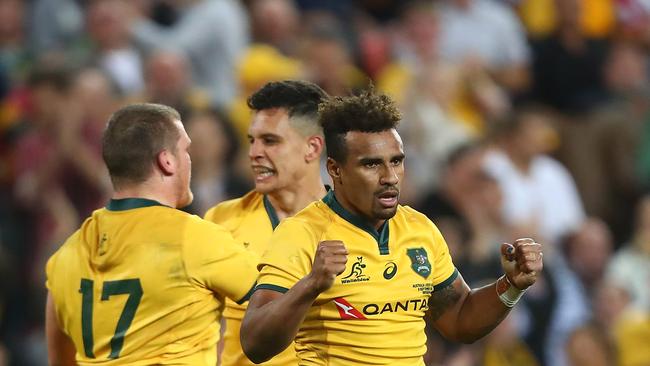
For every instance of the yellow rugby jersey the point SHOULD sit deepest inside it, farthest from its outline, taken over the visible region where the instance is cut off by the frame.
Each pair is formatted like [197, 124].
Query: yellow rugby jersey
[251, 219]
[141, 284]
[374, 312]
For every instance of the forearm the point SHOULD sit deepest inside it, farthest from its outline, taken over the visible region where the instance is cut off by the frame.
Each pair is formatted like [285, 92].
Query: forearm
[269, 329]
[480, 313]
[465, 315]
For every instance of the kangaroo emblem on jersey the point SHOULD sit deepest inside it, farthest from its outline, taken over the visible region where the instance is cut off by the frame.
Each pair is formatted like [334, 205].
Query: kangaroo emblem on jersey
[356, 273]
[419, 261]
[101, 248]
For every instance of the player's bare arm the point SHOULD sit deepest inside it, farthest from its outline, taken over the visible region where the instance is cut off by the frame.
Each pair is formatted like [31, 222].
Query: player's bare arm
[273, 319]
[462, 314]
[60, 349]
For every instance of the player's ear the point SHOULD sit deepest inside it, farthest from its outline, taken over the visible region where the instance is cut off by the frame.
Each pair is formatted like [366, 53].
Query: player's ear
[334, 169]
[166, 162]
[315, 147]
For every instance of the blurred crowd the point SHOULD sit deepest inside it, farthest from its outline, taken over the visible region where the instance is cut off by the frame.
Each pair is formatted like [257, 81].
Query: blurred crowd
[520, 117]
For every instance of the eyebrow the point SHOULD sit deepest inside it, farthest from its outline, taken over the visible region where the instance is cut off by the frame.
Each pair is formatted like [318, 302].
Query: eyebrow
[375, 159]
[265, 135]
[371, 160]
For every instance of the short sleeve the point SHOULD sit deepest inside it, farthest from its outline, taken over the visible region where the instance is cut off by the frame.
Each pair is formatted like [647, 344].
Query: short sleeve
[444, 272]
[214, 260]
[289, 257]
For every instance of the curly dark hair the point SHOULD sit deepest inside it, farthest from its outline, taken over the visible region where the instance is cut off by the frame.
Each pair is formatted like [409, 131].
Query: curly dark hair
[367, 112]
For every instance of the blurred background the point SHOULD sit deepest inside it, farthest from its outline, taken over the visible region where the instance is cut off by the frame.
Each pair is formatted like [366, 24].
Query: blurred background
[520, 118]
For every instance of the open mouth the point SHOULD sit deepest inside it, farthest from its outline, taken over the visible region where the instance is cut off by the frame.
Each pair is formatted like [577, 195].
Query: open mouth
[388, 198]
[262, 173]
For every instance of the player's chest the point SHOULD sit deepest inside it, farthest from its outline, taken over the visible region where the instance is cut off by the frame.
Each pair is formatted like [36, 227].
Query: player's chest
[254, 234]
[395, 283]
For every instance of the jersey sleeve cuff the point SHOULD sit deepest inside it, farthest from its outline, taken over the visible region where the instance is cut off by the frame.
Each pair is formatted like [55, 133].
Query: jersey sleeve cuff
[446, 282]
[248, 295]
[265, 286]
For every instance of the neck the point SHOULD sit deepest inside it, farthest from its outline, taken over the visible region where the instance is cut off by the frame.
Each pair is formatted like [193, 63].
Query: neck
[149, 191]
[375, 223]
[287, 202]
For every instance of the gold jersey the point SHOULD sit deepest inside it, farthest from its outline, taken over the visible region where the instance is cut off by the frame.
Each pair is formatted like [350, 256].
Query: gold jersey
[374, 312]
[251, 220]
[140, 284]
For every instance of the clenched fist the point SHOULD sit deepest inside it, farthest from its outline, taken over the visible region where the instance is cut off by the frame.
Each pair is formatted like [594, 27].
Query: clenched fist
[522, 262]
[329, 262]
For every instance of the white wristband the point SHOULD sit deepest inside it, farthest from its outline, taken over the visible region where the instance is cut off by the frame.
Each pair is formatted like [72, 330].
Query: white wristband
[508, 294]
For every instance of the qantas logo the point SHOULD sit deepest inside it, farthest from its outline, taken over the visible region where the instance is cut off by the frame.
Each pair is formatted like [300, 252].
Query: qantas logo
[347, 311]
[394, 307]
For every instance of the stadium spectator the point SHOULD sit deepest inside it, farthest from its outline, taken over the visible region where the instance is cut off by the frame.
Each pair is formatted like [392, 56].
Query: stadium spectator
[215, 154]
[488, 33]
[588, 251]
[212, 33]
[630, 265]
[112, 50]
[168, 81]
[539, 193]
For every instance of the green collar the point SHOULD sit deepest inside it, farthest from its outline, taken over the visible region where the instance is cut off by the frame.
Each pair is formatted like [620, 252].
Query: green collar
[124, 204]
[273, 215]
[270, 211]
[380, 236]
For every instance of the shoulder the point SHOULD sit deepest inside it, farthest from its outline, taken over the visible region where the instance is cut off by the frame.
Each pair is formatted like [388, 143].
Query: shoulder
[496, 162]
[549, 168]
[412, 216]
[315, 218]
[66, 255]
[201, 226]
[68, 246]
[235, 207]
[411, 220]
[626, 259]
[86, 233]
[180, 226]
[315, 214]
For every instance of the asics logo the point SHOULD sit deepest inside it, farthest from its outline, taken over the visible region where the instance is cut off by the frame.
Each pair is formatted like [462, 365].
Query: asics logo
[390, 270]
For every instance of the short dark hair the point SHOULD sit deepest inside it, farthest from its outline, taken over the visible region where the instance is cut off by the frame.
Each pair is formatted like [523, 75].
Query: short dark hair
[300, 98]
[366, 112]
[133, 138]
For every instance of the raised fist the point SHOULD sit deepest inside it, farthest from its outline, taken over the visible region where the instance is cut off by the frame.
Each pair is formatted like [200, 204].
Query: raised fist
[329, 262]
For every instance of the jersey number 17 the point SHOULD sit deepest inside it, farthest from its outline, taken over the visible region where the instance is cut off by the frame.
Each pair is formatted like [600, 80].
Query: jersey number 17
[129, 287]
